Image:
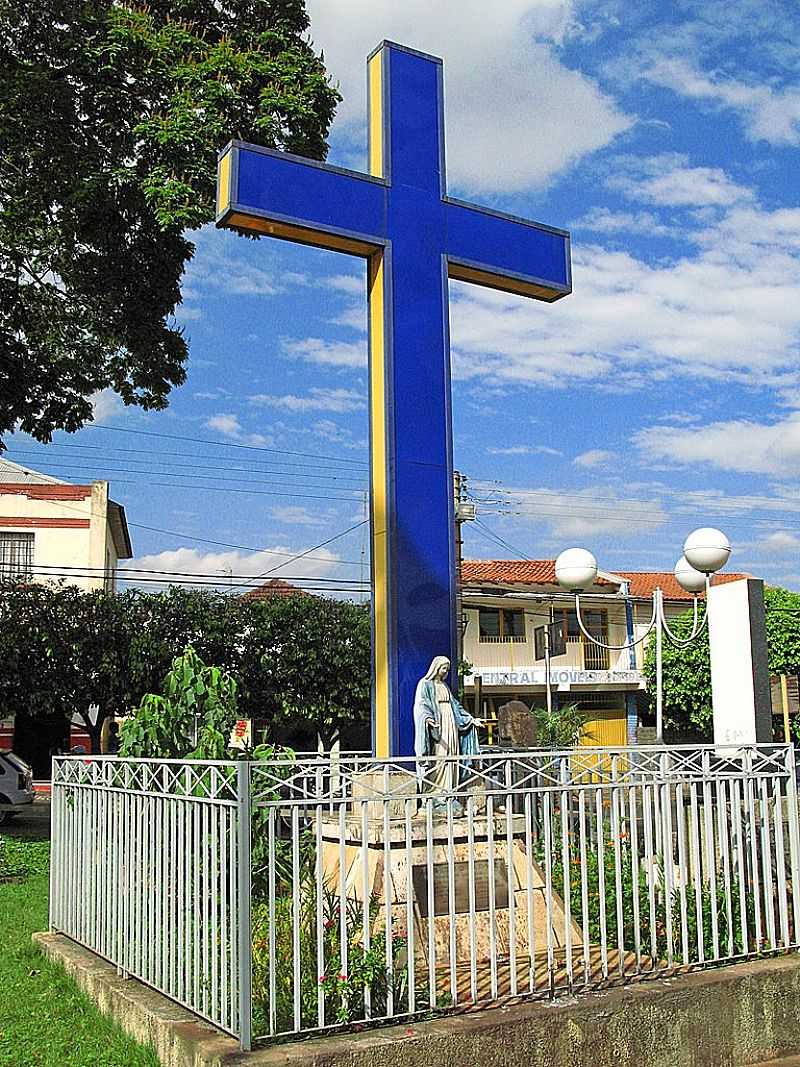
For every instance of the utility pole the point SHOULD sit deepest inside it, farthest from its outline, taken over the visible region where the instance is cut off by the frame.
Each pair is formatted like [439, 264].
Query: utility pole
[464, 512]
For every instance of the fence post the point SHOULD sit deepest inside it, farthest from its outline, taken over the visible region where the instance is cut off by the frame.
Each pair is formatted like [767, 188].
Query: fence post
[794, 836]
[244, 889]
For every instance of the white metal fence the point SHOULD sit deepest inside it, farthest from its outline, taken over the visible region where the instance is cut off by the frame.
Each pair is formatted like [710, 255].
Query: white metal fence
[150, 869]
[290, 896]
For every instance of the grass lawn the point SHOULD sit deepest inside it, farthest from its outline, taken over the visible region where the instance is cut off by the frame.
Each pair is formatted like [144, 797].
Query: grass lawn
[44, 1020]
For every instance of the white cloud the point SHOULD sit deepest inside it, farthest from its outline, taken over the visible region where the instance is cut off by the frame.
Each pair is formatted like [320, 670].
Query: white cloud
[583, 513]
[524, 450]
[782, 542]
[188, 313]
[740, 445]
[228, 424]
[603, 220]
[595, 457]
[339, 401]
[352, 284]
[105, 405]
[668, 181]
[515, 115]
[328, 353]
[296, 515]
[223, 568]
[222, 265]
[730, 311]
[769, 113]
[335, 434]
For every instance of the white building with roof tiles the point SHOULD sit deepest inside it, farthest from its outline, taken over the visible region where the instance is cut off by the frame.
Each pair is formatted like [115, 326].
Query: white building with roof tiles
[54, 530]
[505, 601]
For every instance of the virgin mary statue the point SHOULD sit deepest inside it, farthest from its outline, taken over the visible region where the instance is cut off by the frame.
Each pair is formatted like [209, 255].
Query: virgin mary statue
[442, 729]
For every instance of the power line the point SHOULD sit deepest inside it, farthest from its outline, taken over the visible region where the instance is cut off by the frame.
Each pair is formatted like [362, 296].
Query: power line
[169, 474]
[111, 572]
[217, 581]
[490, 534]
[85, 463]
[83, 447]
[241, 548]
[245, 492]
[536, 502]
[221, 444]
[315, 548]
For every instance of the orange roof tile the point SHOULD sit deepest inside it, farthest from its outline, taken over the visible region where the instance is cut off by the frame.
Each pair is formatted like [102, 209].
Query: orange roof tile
[509, 571]
[642, 583]
[274, 587]
[543, 572]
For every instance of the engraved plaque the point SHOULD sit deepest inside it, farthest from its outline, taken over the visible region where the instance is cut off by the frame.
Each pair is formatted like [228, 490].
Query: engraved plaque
[441, 887]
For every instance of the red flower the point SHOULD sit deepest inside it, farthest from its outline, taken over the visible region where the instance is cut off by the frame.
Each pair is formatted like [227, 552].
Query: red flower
[323, 979]
[342, 977]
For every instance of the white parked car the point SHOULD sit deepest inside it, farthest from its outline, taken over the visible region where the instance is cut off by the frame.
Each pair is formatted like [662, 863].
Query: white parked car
[16, 786]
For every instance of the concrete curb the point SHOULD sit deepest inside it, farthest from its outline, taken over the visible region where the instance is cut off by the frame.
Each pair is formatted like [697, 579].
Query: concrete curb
[728, 1017]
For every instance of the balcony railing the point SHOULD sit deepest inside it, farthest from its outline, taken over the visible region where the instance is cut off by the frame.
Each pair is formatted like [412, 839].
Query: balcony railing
[594, 657]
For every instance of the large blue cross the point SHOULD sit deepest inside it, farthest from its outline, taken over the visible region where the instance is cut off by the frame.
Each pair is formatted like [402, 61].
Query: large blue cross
[414, 237]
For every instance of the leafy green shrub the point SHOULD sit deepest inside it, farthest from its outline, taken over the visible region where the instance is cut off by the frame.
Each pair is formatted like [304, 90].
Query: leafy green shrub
[709, 904]
[341, 985]
[561, 727]
[192, 720]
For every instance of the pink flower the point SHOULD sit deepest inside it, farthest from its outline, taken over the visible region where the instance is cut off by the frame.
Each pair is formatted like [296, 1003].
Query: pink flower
[342, 977]
[323, 978]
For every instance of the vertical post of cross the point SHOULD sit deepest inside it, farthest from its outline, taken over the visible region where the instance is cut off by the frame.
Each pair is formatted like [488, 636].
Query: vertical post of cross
[413, 510]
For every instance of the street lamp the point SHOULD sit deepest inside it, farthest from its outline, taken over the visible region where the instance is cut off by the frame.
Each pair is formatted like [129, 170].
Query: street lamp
[705, 551]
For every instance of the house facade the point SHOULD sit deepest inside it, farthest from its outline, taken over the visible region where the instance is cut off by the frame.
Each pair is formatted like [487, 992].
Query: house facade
[54, 530]
[504, 602]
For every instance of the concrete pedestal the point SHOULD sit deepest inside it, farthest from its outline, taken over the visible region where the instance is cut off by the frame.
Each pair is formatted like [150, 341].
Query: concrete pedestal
[404, 855]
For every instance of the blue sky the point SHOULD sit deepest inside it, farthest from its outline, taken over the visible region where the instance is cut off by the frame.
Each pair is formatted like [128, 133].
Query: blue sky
[662, 395]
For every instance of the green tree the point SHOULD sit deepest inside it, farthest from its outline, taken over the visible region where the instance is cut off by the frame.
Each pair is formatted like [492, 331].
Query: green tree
[300, 664]
[111, 115]
[63, 653]
[314, 663]
[687, 671]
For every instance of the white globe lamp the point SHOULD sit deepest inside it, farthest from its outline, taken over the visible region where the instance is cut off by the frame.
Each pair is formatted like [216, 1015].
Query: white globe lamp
[688, 577]
[707, 549]
[576, 568]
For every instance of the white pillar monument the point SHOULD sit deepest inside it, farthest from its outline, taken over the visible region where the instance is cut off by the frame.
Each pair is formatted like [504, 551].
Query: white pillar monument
[739, 667]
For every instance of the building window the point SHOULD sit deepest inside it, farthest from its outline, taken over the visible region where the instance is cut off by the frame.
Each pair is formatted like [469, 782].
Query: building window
[16, 556]
[595, 621]
[501, 625]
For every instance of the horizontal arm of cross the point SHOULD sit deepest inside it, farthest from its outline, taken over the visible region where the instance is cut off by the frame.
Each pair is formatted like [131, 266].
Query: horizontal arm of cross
[504, 252]
[300, 200]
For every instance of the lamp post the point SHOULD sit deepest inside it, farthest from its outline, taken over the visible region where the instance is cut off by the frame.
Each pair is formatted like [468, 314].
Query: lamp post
[705, 551]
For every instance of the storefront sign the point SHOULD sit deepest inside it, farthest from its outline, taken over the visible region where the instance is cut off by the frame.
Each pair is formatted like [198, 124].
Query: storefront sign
[560, 677]
[241, 734]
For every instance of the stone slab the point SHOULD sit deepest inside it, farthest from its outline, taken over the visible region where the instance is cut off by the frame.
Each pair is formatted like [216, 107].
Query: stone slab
[747, 1014]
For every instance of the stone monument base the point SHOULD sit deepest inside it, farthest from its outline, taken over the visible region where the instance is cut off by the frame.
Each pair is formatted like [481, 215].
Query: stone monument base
[472, 881]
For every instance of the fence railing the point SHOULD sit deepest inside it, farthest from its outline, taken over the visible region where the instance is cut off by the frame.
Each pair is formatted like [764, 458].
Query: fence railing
[289, 896]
